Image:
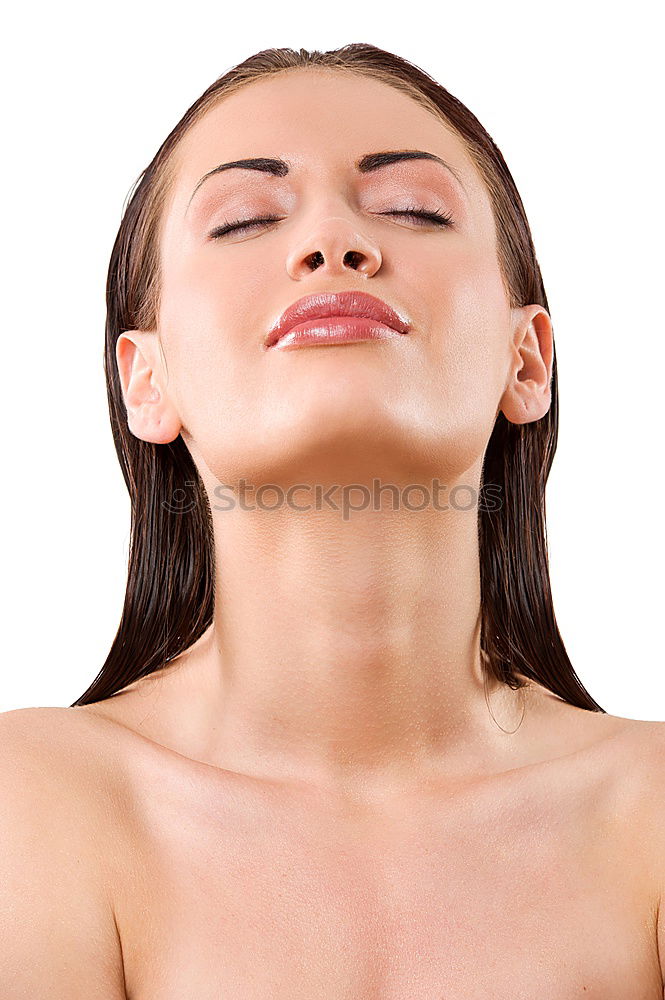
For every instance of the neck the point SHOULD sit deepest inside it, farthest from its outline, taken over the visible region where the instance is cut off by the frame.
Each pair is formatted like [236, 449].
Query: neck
[346, 651]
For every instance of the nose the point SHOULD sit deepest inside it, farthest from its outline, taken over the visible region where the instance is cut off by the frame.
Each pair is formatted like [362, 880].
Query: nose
[337, 246]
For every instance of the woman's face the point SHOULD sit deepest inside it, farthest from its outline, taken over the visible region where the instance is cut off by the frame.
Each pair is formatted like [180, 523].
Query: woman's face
[420, 404]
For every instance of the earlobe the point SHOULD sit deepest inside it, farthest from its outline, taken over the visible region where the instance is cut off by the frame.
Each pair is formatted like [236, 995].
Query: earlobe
[528, 396]
[150, 414]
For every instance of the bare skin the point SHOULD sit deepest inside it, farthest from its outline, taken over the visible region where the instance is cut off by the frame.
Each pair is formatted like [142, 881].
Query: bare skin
[535, 881]
[345, 652]
[316, 800]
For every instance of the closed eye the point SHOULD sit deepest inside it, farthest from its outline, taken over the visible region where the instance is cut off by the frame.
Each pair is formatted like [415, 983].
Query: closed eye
[240, 225]
[438, 218]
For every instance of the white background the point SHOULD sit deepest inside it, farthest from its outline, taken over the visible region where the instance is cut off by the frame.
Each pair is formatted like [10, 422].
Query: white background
[571, 96]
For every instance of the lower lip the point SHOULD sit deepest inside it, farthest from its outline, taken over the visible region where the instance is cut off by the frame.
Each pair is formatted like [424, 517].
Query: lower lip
[334, 330]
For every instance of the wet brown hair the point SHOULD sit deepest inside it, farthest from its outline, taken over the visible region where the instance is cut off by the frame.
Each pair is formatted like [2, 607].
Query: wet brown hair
[169, 596]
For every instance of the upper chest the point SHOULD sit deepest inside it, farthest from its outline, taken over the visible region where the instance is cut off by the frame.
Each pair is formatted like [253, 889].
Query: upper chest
[521, 887]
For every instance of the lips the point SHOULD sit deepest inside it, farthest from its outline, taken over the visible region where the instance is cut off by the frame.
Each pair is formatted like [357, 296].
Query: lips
[326, 304]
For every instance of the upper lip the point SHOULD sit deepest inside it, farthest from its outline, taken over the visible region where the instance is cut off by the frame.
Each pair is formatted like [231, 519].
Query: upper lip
[326, 304]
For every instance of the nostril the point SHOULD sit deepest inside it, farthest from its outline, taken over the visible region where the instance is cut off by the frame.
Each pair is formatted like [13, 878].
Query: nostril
[315, 260]
[353, 257]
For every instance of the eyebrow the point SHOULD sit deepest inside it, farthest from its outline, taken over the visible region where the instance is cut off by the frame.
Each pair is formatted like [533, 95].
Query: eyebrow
[366, 164]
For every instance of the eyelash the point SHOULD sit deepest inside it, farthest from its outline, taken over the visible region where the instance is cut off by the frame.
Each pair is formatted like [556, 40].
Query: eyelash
[437, 218]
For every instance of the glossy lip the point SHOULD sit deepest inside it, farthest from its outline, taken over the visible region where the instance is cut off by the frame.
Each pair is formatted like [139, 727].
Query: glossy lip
[324, 305]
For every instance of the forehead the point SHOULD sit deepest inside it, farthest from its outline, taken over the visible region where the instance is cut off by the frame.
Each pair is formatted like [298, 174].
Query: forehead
[318, 119]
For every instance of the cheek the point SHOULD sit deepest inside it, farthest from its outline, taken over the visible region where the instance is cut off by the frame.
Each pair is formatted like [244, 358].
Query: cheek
[465, 317]
[197, 291]
[465, 323]
[205, 332]
[210, 293]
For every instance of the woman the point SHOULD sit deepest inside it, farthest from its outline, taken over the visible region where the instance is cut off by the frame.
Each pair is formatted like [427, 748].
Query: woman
[337, 748]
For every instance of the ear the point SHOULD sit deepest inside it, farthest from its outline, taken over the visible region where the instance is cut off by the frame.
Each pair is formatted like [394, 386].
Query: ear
[151, 415]
[528, 395]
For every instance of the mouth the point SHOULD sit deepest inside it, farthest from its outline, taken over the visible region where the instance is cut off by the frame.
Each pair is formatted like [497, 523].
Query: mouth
[336, 317]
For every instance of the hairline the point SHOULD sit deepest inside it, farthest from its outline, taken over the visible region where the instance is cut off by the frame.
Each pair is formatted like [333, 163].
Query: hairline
[168, 168]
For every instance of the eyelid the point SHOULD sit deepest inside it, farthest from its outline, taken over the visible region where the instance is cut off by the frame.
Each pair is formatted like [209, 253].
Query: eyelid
[434, 217]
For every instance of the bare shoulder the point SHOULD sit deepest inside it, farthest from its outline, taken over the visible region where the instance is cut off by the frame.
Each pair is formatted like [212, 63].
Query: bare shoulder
[67, 764]
[646, 738]
[60, 753]
[645, 746]
[649, 755]
[647, 759]
[57, 863]
[656, 760]
[628, 756]
[636, 749]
